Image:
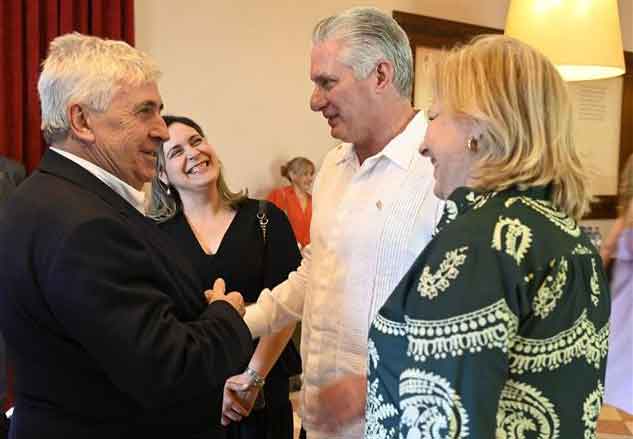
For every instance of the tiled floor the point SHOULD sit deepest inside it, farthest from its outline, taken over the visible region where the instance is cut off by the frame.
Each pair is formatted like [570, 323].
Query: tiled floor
[614, 424]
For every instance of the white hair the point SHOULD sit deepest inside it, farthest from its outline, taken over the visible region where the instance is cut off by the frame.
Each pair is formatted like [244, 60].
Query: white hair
[87, 70]
[370, 35]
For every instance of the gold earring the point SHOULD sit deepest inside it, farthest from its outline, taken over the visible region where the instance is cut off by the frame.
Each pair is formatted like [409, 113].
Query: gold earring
[471, 144]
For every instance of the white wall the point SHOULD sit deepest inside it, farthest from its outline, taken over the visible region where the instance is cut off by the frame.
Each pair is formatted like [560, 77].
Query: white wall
[240, 68]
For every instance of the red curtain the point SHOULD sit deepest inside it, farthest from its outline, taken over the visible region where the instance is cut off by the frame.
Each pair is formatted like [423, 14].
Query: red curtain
[26, 29]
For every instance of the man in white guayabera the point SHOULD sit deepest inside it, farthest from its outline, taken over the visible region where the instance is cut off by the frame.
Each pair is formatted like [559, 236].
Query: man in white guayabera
[373, 212]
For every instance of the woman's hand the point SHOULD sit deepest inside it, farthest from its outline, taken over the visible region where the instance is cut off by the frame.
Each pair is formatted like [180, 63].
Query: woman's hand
[239, 398]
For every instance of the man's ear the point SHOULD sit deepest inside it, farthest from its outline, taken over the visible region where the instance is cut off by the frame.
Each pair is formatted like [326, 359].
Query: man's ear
[384, 75]
[80, 126]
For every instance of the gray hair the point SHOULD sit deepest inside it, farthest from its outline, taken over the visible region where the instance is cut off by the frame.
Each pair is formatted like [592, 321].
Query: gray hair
[370, 35]
[86, 70]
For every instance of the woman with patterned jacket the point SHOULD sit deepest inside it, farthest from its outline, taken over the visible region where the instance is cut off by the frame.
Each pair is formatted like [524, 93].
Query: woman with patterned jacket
[499, 329]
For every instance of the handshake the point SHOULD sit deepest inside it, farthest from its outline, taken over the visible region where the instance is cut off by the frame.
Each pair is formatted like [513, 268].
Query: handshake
[234, 298]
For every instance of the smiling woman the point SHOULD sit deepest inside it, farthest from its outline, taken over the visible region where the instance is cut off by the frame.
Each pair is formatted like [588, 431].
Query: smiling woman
[444, 143]
[186, 140]
[509, 300]
[248, 243]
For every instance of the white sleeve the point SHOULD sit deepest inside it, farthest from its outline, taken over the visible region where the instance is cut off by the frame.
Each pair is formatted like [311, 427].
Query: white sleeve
[282, 305]
[277, 308]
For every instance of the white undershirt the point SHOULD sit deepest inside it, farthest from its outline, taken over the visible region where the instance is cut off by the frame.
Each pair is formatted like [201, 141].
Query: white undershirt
[127, 192]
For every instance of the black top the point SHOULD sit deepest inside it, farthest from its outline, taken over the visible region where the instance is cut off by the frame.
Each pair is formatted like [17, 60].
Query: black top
[246, 263]
[498, 330]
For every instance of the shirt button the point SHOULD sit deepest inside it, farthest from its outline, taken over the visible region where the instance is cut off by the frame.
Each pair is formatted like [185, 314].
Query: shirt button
[379, 204]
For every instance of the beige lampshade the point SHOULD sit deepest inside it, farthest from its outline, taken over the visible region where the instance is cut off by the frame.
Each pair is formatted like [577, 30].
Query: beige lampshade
[581, 37]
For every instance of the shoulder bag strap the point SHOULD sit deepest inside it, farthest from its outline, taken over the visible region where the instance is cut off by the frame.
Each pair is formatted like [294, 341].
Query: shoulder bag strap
[263, 218]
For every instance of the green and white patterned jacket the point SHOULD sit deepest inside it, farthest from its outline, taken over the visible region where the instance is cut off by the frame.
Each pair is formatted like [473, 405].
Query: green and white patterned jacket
[498, 330]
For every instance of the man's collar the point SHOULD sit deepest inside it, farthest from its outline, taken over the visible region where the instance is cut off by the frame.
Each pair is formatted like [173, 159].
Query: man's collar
[398, 150]
[127, 192]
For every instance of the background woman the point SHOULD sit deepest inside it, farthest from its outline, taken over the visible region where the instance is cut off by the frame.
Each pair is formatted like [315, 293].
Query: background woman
[225, 234]
[295, 199]
[500, 327]
[619, 246]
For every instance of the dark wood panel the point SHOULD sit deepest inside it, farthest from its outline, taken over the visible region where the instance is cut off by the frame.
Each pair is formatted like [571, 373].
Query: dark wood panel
[440, 33]
[437, 32]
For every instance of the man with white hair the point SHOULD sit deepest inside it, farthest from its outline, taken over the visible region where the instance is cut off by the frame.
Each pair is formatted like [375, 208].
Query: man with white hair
[110, 335]
[373, 212]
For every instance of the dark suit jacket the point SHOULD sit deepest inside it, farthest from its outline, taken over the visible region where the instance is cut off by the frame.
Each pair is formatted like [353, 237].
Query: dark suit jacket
[111, 336]
[14, 170]
[11, 174]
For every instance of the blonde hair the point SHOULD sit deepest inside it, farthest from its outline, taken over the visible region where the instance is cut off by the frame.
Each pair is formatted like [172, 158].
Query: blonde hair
[297, 165]
[625, 206]
[87, 70]
[520, 102]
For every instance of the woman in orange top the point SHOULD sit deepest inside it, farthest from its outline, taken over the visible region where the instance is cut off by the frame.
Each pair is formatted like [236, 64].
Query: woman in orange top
[295, 199]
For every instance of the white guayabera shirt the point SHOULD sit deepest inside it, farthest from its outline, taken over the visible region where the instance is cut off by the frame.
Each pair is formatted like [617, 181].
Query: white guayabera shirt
[369, 223]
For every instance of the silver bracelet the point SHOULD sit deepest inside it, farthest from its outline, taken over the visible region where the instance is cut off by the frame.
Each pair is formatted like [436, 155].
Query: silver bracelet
[256, 379]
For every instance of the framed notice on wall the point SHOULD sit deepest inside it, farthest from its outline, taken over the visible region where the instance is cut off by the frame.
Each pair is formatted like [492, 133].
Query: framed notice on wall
[597, 115]
[603, 110]
[422, 93]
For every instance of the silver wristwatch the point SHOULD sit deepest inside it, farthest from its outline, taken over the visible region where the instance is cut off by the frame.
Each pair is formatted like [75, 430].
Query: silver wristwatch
[256, 379]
